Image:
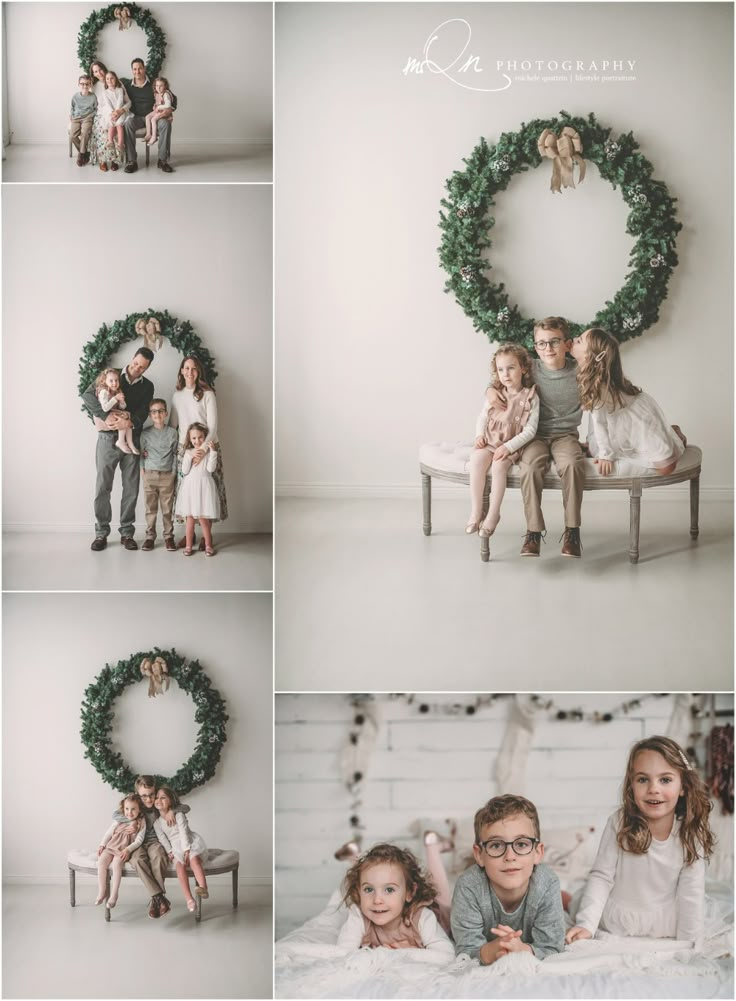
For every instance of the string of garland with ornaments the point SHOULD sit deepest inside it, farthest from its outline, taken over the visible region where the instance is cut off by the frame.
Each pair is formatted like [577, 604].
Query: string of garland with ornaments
[160, 667]
[567, 141]
[124, 15]
[153, 326]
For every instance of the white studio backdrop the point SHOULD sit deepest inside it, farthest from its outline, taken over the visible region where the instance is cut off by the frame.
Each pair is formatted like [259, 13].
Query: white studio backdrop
[373, 358]
[84, 257]
[425, 768]
[218, 63]
[48, 782]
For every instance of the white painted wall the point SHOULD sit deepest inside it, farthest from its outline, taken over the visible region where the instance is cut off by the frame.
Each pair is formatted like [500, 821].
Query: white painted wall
[426, 768]
[373, 357]
[218, 62]
[75, 258]
[54, 645]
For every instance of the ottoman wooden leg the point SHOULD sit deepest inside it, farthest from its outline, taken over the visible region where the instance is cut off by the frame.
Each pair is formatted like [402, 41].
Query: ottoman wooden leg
[634, 517]
[427, 503]
[72, 887]
[694, 506]
[235, 886]
[198, 909]
[486, 500]
[105, 908]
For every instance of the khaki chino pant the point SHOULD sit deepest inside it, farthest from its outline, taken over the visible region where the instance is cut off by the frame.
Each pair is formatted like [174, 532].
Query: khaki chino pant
[81, 129]
[150, 863]
[158, 491]
[569, 462]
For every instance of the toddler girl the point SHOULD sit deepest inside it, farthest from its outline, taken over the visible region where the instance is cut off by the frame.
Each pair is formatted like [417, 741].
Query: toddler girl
[649, 875]
[181, 845]
[162, 108]
[624, 422]
[390, 903]
[197, 494]
[110, 397]
[500, 434]
[117, 844]
[114, 98]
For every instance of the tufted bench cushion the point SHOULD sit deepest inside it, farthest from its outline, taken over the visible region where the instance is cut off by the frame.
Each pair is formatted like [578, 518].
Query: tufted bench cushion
[219, 861]
[449, 461]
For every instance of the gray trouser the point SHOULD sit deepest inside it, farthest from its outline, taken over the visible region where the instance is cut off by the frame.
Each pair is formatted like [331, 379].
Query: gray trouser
[164, 137]
[107, 458]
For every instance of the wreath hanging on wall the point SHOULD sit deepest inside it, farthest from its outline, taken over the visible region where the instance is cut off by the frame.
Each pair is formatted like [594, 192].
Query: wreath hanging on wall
[152, 326]
[97, 718]
[124, 14]
[467, 221]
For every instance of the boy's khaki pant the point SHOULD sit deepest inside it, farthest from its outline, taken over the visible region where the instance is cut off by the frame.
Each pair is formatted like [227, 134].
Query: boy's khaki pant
[158, 491]
[569, 462]
[150, 863]
[80, 132]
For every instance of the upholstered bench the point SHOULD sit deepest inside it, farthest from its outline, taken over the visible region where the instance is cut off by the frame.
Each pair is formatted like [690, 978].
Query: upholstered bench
[449, 461]
[219, 861]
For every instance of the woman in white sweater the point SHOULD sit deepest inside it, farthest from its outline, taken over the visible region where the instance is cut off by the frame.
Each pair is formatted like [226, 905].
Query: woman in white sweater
[194, 402]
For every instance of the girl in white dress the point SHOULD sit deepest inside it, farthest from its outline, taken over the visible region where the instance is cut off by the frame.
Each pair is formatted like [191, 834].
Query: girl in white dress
[626, 426]
[108, 393]
[197, 494]
[648, 878]
[391, 902]
[113, 99]
[182, 845]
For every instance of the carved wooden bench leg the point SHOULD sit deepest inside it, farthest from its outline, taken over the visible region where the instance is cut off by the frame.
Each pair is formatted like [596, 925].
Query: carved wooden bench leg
[105, 908]
[72, 887]
[427, 503]
[694, 506]
[235, 886]
[198, 909]
[634, 517]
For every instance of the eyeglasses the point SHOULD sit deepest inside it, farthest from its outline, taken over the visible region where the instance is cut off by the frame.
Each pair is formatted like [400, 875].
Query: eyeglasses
[541, 345]
[495, 847]
[158, 410]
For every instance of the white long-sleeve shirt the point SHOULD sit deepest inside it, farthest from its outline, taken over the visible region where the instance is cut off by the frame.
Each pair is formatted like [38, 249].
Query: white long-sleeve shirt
[433, 937]
[185, 411]
[655, 894]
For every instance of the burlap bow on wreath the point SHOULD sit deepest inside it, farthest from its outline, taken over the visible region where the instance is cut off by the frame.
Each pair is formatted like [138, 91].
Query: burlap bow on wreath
[564, 151]
[123, 17]
[157, 673]
[150, 331]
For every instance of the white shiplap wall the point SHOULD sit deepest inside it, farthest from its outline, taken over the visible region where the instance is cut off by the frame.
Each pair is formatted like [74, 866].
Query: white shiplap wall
[432, 766]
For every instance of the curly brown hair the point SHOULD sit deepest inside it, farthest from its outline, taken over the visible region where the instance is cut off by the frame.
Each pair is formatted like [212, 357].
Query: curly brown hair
[692, 810]
[418, 883]
[101, 379]
[171, 793]
[602, 378]
[134, 798]
[201, 384]
[502, 807]
[522, 356]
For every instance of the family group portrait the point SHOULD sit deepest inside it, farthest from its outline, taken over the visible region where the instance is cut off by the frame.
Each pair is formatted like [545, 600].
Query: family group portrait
[504, 845]
[532, 257]
[125, 96]
[166, 843]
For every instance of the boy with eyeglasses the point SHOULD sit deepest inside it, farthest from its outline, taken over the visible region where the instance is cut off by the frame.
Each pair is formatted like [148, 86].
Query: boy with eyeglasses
[509, 901]
[556, 439]
[159, 446]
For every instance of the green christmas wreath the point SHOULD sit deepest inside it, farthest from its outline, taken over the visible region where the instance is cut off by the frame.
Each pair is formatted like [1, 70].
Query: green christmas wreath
[97, 717]
[124, 13]
[151, 324]
[467, 220]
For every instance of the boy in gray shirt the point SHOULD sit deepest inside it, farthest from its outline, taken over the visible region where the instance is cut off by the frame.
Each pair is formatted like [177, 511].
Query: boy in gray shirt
[81, 117]
[159, 446]
[509, 901]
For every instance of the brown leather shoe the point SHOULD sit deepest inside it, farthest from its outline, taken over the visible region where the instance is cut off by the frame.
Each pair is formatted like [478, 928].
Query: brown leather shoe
[164, 905]
[99, 544]
[572, 545]
[147, 546]
[80, 160]
[166, 167]
[154, 911]
[170, 544]
[129, 543]
[103, 165]
[531, 545]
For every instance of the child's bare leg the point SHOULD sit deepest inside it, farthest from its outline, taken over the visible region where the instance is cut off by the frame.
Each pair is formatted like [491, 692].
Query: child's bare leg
[119, 131]
[129, 441]
[103, 862]
[480, 460]
[439, 877]
[181, 872]
[117, 875]
[499, 475]
[122, 442]
[197, 868]
[189, 532]
[111, 135]
[206, 524]
[149, 123]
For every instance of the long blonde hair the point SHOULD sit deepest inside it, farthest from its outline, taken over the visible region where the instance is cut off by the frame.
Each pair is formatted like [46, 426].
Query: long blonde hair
[603, 376]
[692, 810]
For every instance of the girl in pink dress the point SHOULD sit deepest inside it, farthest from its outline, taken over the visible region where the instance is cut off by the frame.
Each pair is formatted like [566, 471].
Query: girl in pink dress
[117, 844]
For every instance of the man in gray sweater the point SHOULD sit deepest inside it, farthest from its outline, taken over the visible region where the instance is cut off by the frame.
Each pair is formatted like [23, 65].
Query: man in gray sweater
[509, 902]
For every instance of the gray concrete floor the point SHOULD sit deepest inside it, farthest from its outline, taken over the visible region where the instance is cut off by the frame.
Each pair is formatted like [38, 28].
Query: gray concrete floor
[366, 602]
[218, 163]
[52, 950]
[63, 561]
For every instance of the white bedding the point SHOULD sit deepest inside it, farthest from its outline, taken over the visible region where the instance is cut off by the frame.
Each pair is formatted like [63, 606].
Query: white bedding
[310, 965]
